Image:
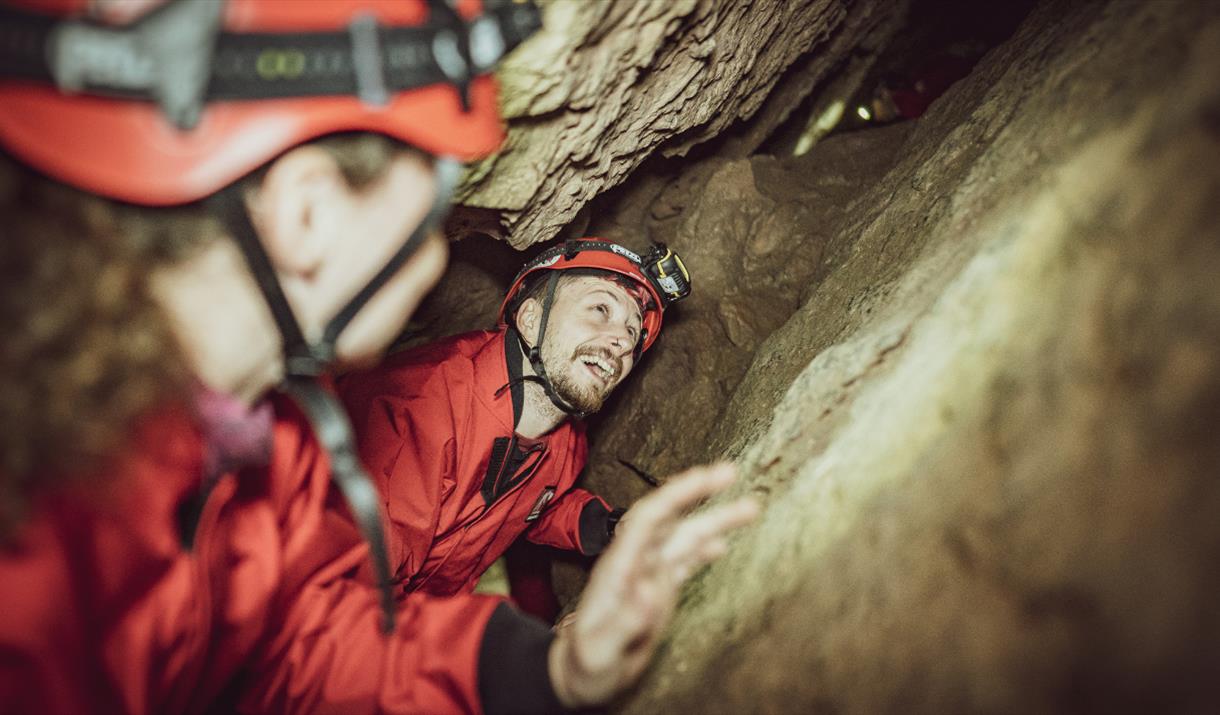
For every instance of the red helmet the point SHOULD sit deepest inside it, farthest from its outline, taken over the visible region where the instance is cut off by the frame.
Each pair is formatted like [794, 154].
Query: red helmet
[660, 275]
[269, 75]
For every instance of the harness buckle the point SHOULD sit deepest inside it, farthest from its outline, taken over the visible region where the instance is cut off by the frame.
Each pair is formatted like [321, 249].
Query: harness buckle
[167, 55]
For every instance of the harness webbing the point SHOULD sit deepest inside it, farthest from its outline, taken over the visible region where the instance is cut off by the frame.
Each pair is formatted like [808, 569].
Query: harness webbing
[447, 171]
[334, 433]
[302, 358]
[177, 57]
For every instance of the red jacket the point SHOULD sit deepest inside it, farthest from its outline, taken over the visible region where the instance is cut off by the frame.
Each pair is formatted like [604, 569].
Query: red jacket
[435, 427]
[104, 608]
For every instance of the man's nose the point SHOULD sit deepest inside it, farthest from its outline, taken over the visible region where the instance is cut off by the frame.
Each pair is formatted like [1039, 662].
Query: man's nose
[620, 338]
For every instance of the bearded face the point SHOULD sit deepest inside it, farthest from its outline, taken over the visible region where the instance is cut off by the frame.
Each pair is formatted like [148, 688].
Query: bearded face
[590, 341]
[588, 396]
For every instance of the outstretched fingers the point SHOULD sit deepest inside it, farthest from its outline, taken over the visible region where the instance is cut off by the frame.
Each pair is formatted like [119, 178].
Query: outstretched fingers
[652, 516]
[633, 588]
[636, 556]
[700, 539]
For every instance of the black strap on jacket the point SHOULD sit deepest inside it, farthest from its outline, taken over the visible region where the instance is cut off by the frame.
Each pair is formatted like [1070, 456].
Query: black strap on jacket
[512, 359]
[334, 433]
[178, 57]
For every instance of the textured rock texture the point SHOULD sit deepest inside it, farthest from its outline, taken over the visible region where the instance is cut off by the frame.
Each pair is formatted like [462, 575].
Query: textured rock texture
[979, 395]
[968, 363]
[606, 85]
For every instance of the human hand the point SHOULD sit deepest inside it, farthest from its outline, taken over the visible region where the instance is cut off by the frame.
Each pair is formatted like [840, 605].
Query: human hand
[634, 586]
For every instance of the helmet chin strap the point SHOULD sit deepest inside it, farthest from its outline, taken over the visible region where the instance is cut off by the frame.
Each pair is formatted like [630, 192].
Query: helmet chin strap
[305, 362]
[535, 354]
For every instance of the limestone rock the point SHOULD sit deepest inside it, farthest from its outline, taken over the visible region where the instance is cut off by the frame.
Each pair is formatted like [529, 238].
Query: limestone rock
[606, 85]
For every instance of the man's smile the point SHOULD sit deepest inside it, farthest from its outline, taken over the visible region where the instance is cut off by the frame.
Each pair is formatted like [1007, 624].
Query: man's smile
[601, 364]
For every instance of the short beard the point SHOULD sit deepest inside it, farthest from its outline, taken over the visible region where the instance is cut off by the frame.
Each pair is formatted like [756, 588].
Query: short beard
[582, 398]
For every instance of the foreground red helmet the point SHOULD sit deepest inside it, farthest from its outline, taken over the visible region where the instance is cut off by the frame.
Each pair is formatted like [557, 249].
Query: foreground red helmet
[660, 275]
[223, 87]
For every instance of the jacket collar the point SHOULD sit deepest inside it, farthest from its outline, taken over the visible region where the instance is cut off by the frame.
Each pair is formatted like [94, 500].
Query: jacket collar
[489, 363]
[497, 373]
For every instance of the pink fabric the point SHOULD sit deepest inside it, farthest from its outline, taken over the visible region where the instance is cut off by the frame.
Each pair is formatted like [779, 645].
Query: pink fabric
[235, 435]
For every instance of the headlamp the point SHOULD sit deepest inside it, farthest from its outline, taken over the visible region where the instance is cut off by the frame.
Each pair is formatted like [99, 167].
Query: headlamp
[667, 272]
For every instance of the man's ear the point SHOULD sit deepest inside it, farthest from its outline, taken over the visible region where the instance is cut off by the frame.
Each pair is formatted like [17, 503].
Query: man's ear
[529, 315]
[294, 208]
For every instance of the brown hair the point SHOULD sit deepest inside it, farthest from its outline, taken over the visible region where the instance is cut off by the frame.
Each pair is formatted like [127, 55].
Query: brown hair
[86, 349]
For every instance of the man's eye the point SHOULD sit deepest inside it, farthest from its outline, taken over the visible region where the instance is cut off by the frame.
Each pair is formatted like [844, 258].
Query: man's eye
[602, 308]
[633, 333]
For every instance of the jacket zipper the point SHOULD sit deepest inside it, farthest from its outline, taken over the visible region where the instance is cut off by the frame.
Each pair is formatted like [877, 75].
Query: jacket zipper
[480, 517]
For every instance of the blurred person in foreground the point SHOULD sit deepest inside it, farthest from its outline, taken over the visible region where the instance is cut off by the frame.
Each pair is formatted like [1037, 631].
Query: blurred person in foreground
[209, 206]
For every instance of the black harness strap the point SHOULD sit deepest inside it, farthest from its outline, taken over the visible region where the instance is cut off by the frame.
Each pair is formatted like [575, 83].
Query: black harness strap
[230, 206]
[334, 433]
[535, 353]
[304, 362]
[447, 171]
[512, 358]
[302, 358]
[177, 57]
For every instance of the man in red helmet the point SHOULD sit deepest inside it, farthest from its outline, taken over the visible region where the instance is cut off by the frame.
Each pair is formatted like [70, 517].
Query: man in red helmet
[208, 206]
[477, 440]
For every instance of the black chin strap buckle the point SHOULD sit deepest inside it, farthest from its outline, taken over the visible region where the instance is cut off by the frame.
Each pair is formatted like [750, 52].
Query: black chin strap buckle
[309, 361]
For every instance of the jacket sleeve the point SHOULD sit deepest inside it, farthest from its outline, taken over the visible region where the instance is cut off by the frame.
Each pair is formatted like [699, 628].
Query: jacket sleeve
[465, 654]
[576, 521]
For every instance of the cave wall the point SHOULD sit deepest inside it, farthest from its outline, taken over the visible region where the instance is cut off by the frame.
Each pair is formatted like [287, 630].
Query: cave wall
[984, 425]
[606, 85]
